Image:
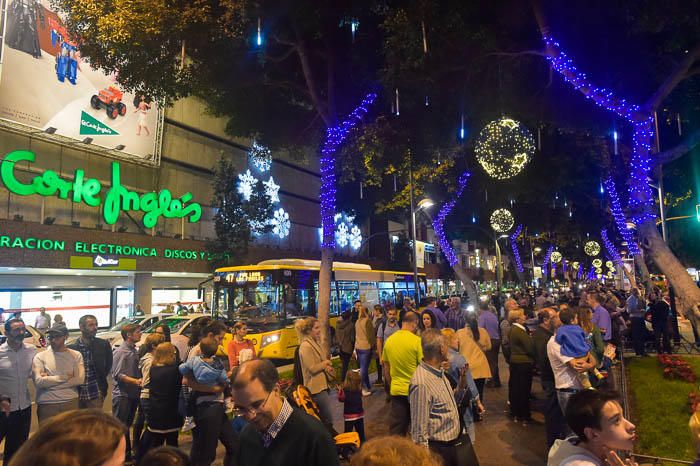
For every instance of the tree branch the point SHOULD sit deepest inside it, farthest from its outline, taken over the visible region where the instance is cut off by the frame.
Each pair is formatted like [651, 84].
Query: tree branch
[303, 54]
[284, 56]
[680, 150]
[676, 76]
[522, 53]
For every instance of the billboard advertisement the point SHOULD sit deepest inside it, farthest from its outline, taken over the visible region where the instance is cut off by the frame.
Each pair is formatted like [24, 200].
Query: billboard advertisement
[46, 84]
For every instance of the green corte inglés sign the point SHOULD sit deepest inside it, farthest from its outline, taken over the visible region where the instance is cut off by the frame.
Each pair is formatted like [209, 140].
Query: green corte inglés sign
[89, 191]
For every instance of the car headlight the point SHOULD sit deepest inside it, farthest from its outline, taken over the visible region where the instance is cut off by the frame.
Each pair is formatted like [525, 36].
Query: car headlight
[269, 339]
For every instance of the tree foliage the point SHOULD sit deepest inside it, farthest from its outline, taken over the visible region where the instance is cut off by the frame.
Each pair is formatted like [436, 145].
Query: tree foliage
[237, 220]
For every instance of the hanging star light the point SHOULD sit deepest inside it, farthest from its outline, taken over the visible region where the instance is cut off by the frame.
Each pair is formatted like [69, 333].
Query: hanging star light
[246, 182]
[597, 263]
[272, 190]
[280, 223]
[260, 156]
[502, 220]
[504, 147]
[556, 257]
[592, 248]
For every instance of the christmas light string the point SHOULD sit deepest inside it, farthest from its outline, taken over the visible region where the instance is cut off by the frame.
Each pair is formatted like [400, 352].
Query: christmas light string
[640, 193]
[610, 248]
[545, 262]
[439, 222]
[619, 216]
[335, 136]
[514, 247]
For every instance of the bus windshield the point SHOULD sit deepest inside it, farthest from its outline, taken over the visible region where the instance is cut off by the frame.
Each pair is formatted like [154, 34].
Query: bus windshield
[252, 302]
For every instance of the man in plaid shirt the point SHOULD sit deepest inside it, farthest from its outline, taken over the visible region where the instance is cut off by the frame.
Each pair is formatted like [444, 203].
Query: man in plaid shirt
[97, 358]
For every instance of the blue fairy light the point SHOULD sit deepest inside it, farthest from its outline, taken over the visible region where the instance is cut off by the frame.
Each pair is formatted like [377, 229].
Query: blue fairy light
[439, 222]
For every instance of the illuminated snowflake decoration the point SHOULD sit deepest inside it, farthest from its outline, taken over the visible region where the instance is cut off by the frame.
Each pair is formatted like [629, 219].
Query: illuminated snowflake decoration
[246, 183]
[555, 257]
[504, 147]
[257, 227]
[597, 263]
[592, 248]
[346, 232]
[355, 237]
[341, 235]
[260, 156]
[272, 190]
[502, 220]
[280, 223]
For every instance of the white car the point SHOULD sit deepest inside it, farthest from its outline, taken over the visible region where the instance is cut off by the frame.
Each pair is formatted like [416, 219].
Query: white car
[114, 334]
[180, 329]
[32, 337]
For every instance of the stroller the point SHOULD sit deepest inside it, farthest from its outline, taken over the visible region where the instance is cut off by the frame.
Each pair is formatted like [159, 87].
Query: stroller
[298, 395]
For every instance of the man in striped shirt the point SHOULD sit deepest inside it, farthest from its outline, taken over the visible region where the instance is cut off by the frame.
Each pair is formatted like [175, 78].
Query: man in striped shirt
[435, 422]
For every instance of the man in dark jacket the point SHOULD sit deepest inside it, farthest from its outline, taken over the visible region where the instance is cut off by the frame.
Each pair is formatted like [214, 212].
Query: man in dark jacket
[276, 434]
[97, 359]
[660, 313]
[553, 417]
[345, 336]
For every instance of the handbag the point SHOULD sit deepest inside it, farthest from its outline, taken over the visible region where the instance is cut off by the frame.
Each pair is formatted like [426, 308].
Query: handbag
[465, 450]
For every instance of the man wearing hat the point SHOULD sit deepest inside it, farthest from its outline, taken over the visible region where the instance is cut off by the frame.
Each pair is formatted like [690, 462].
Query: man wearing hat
[57, 373]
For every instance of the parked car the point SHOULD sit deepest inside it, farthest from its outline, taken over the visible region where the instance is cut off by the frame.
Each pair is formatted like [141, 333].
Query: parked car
[114, 335]
[32, 336]
[180, 330]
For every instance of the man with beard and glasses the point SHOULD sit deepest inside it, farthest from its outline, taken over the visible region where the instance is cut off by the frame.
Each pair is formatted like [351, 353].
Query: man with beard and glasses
[97, 359]
[15, 369]
[276, 433]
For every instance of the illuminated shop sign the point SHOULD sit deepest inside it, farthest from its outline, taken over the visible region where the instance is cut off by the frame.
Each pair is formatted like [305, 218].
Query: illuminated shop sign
[89, 191]
[104, 249]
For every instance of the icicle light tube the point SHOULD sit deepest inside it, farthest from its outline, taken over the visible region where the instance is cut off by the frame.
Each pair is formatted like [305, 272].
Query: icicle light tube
[335, 136]
[439, 222]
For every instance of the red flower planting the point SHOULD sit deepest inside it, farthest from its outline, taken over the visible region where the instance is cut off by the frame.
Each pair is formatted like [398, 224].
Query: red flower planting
[675, 367]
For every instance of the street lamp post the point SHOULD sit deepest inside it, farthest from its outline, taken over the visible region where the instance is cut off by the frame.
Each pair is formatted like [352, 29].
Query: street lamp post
[422, 204]
[499, 262]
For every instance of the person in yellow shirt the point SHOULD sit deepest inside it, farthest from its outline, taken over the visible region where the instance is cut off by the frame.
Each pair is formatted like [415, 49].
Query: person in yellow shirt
[401, 354]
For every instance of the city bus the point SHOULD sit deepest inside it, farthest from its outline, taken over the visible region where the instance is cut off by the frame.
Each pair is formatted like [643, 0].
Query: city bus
[272, 294]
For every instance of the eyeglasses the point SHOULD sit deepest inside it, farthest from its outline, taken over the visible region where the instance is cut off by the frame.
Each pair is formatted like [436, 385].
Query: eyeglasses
[253, 410]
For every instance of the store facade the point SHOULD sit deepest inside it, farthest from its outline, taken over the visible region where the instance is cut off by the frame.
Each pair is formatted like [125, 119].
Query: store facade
[83, 231]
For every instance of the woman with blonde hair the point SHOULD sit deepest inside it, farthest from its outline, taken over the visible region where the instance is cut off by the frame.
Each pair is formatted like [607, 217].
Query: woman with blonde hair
[365, 345]
[316, 366]
[393, 451]
[86, 437]
[473, 341]
[163, 417]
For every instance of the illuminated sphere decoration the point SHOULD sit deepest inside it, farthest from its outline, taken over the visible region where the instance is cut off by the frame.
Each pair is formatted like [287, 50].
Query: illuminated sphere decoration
[592, 248]
[555, 257]
[504, 147]
[502, 220]
[574, 265]
[597, 263]
[610, 265]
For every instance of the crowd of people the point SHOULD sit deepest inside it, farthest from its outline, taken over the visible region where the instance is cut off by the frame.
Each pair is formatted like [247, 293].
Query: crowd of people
[434, 365]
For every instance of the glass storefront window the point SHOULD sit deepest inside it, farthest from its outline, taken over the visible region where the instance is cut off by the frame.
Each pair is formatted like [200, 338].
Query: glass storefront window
[161, 298]
[125, 304]
[69, 304]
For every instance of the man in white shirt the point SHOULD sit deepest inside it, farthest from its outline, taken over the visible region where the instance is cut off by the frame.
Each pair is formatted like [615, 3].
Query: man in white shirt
[43, 321]
[566, 368]
[57, 373]
[15, 370]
